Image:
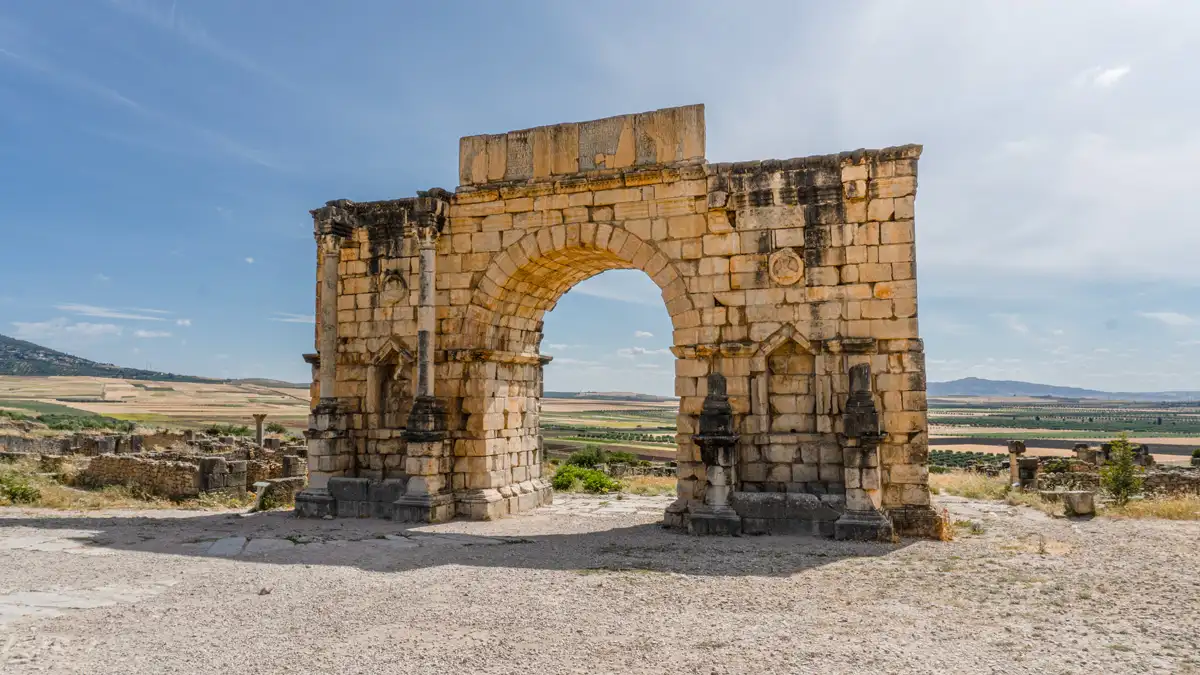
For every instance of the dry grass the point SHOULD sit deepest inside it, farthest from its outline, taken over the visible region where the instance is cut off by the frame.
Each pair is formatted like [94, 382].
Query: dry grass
[1168, 508]
[969, 485]
[56, 492]
[649, 485]
[1034, 501]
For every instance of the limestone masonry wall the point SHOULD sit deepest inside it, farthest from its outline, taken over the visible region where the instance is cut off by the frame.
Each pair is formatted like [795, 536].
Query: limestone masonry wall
[781, 275]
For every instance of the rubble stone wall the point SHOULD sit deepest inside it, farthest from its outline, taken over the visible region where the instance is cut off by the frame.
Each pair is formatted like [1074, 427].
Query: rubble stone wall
[174, 480]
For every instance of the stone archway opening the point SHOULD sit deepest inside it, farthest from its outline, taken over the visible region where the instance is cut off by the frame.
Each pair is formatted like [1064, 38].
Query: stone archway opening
[791, 289]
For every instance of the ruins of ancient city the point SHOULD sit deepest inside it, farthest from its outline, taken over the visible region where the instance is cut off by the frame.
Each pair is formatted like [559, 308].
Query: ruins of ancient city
[621, 390]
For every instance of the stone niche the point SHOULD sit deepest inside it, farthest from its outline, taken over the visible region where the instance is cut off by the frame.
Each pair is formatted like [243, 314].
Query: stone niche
[780, 275]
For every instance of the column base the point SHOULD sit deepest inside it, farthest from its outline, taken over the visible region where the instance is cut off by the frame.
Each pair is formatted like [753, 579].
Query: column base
[917, 521]
[485, 504]
[863, 526]
[715, 521]
[423, 508]
[314, 503]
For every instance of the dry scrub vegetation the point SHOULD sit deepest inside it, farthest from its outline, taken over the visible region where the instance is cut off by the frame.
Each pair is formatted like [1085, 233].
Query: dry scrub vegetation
[979, 486]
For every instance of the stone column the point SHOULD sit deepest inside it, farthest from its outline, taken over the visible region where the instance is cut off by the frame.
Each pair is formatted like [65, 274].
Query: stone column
[326, 434]
[718, 450]
[428, 496]
[1015, 450]
[258, 428]
[864, 518]
[327, 343]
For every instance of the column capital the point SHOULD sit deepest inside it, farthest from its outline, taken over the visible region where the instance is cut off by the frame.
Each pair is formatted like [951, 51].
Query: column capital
[334, 221]
[430, 210]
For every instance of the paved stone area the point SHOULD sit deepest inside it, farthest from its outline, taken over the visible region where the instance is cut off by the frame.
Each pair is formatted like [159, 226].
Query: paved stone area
[590, 585]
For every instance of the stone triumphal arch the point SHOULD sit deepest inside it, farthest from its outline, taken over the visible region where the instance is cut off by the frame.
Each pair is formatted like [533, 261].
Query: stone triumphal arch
[791, 289]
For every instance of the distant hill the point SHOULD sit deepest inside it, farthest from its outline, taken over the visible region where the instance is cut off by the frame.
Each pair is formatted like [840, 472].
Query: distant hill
[607, 395]
[271, 384]
[974, 386]
[18, 357]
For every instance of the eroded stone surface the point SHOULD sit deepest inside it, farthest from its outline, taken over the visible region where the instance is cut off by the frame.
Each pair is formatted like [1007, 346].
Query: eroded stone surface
[781, 275]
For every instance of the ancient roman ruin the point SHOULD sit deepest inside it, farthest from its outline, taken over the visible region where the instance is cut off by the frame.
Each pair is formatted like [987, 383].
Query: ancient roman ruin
[790, 284]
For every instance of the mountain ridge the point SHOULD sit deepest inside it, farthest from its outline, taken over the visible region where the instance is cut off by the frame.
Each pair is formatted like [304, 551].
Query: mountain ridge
[976, 386]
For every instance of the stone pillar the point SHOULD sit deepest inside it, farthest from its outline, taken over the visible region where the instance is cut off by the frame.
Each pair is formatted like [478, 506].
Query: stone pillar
[864, 518]
[327, 439]
[1015, 450]
[327, 343]
[258, 428]
[718, 450]
[428, 495]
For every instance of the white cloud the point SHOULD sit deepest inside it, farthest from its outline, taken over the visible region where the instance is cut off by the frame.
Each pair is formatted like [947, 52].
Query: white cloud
[1110, 76]
[1057, 331]
[113, 313]
[1013, 322]
[250, 260]
[103, 278]
[183, 322]
[287, 317]
[554, 346]
[631, 352]
[1169, 318]
[151, 334]
[64, 328]
[642, 334]
[622, 285]
[562, 361]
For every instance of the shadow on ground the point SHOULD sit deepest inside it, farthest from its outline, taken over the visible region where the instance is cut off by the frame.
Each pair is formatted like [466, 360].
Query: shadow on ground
[378, 545]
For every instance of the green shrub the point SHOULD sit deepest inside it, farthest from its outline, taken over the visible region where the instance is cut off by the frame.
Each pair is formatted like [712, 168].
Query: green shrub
[275, 428]
[1120, 477]
[17, 489]
[1196, 452]
[589, 458]
[621, 457]
[60, 422]
[220, 429]
[572, 478]
[14, 415]
[938, 469]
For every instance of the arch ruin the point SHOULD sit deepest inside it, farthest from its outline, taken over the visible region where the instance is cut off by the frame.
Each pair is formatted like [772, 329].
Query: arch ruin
[790, 285]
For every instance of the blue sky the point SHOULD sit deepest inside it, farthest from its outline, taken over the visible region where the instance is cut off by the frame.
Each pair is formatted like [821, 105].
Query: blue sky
[157, 161]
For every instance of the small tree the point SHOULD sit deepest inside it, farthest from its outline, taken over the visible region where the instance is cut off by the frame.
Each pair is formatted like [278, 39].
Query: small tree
[1120, 476]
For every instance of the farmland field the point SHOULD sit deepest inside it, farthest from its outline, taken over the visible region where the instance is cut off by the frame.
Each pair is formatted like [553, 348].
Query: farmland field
[174, 404]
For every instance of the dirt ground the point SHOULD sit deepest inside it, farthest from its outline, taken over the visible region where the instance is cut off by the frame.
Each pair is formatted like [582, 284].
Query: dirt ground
[590, 585]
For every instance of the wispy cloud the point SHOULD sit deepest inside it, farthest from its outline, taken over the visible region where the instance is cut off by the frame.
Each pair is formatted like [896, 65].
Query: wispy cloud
[64, 328]
[642, 334]
[103, 278]
[111, 313]
[200, 139]
[1169, 318]
[250, 260]
[1013, 322]
[287, 317]
[564, 361]
[631, 352]
[150, 334]
[195, 35]
[1110, 76]
[183, 322]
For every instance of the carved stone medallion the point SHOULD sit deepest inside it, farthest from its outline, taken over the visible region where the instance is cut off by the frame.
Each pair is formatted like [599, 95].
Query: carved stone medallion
[785, 267]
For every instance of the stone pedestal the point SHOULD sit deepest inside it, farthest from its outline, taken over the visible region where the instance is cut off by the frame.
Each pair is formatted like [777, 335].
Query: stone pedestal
[1079, 503]
[327, 457]
[863, 519]
[718, 444]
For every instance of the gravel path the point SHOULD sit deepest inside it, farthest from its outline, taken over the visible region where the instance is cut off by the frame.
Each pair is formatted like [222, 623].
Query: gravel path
[589, 586]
